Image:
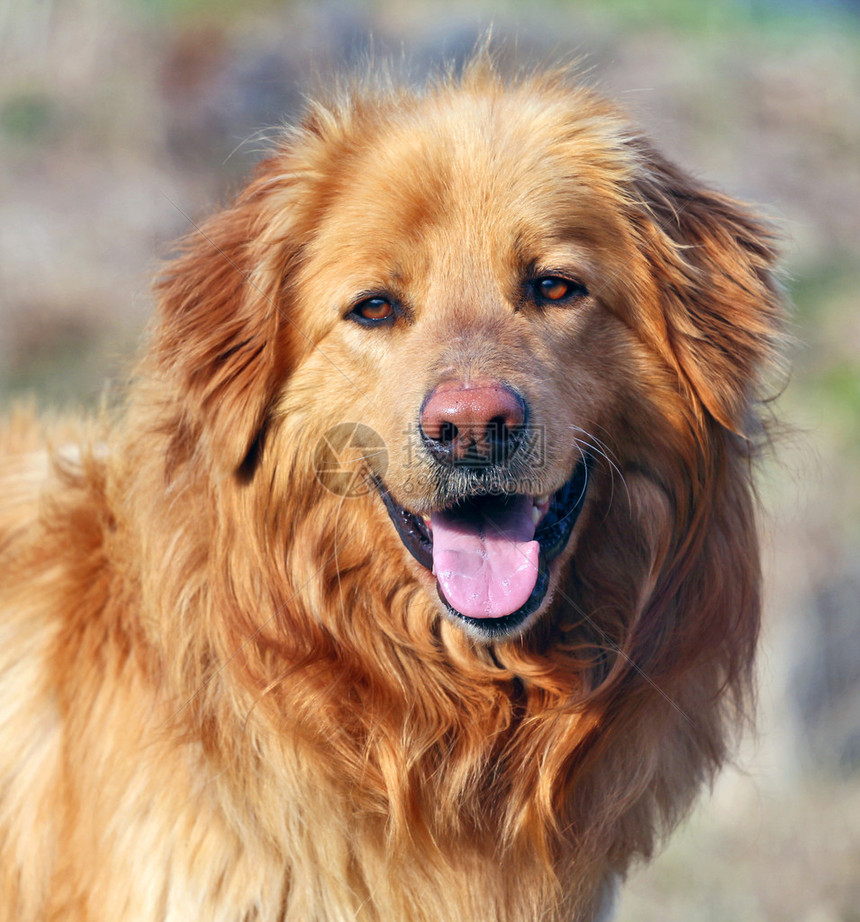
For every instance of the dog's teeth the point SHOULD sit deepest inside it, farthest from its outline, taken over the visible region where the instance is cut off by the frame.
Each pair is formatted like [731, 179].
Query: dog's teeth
[540, 500]
[537, 515]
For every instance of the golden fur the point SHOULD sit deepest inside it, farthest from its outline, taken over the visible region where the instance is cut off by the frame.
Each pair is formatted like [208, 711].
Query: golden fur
[227, 693]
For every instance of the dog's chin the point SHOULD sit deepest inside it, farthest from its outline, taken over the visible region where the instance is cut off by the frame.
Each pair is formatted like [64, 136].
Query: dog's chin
[494, 557]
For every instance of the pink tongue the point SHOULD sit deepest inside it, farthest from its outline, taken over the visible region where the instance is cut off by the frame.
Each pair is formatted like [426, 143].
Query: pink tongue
[486, 562]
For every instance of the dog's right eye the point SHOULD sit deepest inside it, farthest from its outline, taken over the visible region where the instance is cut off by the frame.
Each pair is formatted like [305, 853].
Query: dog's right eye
[372, 311]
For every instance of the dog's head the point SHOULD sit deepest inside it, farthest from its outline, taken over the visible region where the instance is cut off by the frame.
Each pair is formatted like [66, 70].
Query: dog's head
[517, 299]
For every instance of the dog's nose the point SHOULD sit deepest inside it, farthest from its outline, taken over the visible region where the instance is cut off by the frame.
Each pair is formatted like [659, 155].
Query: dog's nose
[479, 422]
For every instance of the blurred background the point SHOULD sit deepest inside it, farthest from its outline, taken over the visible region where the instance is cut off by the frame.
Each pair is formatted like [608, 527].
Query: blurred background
[122, 121]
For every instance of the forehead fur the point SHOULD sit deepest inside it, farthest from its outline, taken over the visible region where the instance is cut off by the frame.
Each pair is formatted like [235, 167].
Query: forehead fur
[502, 166]
[480, 136]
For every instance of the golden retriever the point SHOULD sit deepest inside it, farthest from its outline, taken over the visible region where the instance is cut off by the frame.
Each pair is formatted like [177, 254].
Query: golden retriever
[418, 577]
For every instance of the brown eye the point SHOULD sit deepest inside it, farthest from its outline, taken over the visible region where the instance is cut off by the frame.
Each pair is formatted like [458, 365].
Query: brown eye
[555, 288]
[373, 310]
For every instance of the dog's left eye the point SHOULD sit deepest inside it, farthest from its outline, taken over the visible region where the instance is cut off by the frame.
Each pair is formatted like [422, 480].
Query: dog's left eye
[556, 288]
[372, 311]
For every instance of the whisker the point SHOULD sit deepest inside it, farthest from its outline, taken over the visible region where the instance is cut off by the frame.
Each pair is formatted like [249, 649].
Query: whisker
[598, 447]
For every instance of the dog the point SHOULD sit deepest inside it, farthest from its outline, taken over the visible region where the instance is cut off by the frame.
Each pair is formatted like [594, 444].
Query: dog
[417, 576]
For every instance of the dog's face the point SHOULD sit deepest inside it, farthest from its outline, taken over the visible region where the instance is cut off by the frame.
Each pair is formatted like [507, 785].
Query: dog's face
[460, 281]
[474, 277]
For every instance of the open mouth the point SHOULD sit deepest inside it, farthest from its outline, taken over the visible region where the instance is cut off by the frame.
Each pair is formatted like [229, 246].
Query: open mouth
[490, 554]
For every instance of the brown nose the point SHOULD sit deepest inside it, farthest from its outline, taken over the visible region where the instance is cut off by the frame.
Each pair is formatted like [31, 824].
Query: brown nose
[479, 422]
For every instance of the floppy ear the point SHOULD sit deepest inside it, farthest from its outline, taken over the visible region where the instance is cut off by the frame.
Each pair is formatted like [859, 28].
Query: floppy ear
[219, 336]
[712, 264]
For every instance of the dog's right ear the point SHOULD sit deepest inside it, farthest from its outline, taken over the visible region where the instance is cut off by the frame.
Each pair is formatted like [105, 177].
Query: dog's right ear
[222, 338]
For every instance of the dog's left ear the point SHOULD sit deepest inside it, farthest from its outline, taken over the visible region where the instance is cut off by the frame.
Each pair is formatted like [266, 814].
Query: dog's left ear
[712, 262]
[221, 336]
